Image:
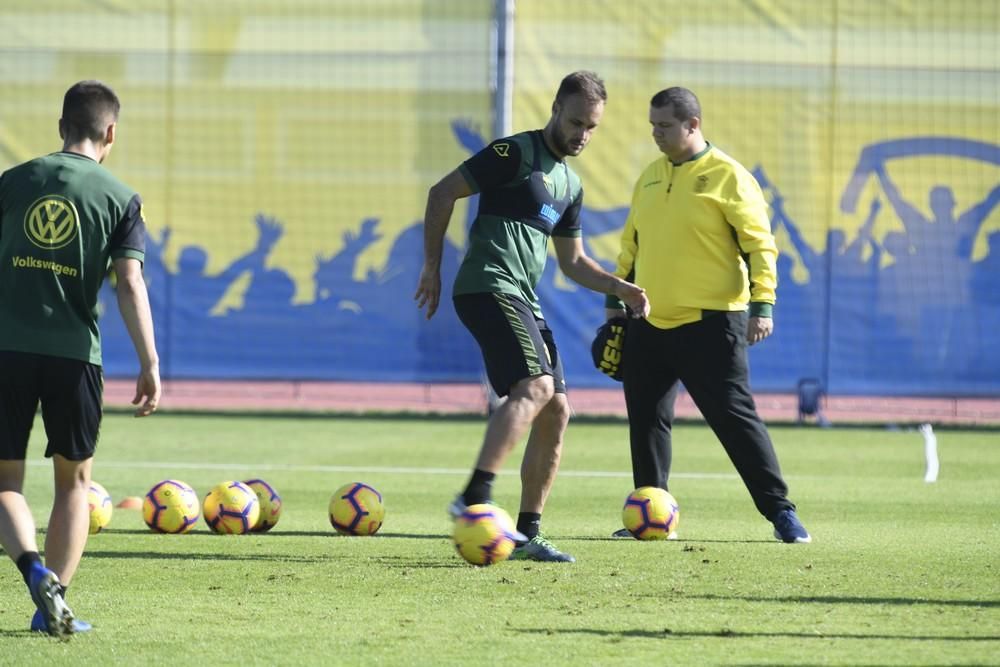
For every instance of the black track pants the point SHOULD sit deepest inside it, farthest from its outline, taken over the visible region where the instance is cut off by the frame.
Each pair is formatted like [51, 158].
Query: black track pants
[710, 358]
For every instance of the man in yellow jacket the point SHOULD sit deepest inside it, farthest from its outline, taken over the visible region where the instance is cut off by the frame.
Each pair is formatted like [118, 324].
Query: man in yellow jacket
[698, 240]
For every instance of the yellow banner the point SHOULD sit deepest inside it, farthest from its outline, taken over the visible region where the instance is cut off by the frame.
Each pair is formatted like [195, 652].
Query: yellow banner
[322, 115]
[318, 114]
[798, 89]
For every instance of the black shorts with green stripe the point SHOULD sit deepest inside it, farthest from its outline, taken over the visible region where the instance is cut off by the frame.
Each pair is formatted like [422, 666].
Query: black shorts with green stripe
[70, 393]
[515, 344]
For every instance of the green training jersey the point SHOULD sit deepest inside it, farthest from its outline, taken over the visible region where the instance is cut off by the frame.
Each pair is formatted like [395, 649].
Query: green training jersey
[526, 194]
[63, 219]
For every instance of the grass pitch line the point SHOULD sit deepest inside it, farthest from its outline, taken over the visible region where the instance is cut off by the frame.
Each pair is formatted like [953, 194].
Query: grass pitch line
[400, 470]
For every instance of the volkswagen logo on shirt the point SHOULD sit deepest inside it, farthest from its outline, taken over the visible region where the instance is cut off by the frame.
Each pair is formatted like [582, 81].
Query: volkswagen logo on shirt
[51, 222]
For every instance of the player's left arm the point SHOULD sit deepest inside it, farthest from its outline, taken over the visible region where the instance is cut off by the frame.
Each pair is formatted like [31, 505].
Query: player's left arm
[746, 211]
[128, 246]
[133, 304]
[583, 270]
[567, 238]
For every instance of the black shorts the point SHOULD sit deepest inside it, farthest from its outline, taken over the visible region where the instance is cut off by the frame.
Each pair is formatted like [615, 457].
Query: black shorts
[515, 344]
[70, 392]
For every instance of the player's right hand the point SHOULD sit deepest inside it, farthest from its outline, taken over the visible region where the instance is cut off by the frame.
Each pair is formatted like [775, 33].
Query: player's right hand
[428, 290]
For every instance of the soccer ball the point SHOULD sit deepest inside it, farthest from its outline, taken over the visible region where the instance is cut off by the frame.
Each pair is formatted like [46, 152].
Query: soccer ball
[231, 507]
[484, 534]
[170, 507]
[270, 505]
[100, 504]
[650, 513]
[356, 509]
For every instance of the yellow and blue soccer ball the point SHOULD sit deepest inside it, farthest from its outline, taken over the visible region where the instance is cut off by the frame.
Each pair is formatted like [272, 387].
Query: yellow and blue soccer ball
[171, 506]
[650, 513]
[356, 509]
[270, 505]
[231, 508]
[484, 534]
[99, 501]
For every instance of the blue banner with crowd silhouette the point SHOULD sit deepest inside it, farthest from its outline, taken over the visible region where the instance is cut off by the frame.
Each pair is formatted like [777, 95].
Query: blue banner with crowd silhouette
[909, 313]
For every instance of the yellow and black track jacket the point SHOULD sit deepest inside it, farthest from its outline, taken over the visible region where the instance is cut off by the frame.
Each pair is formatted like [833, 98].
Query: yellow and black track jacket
[698, 238]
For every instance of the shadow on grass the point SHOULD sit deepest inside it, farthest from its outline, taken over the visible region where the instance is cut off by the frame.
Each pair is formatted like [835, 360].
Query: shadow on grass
[23, 634]
[836, 599]
[394, 562]
[415, 536]
[278, 533]
[679, 540]
[187, 555]
[319, 533]
[667, 633]
[409, 563]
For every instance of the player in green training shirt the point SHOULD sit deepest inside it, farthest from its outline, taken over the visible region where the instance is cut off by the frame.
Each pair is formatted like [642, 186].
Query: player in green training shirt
[64, 220]
[527, 194]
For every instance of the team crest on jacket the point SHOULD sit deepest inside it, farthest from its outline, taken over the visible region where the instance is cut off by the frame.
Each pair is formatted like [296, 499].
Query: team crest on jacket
[502, 149]
[700, 184]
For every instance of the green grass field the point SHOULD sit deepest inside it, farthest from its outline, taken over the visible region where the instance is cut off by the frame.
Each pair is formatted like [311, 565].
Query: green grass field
[901, 572]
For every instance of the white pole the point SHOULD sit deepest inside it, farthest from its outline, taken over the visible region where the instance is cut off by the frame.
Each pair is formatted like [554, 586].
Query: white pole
[930, 453]
[503, 111]
[503, 71]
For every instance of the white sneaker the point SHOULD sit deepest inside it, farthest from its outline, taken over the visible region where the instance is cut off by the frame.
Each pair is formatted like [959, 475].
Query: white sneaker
[456, 507]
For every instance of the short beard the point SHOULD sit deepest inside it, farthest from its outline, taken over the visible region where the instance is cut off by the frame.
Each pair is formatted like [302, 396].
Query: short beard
[561, 143]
